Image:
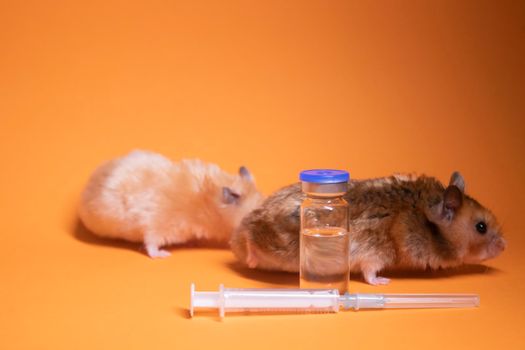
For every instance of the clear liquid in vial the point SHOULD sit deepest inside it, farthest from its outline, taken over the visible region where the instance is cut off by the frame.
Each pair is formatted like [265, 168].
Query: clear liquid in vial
[324, 258]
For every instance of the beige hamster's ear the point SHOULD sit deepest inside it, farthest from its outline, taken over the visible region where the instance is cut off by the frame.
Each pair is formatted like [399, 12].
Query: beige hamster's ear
[229, 196]
[245, 173]
[457, 180]
[452, 201]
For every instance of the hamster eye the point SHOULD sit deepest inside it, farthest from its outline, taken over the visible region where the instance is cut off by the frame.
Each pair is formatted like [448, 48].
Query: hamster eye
[481, 227]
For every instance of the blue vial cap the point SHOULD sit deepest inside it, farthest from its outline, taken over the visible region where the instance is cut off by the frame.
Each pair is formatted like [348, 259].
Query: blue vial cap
[324, 176]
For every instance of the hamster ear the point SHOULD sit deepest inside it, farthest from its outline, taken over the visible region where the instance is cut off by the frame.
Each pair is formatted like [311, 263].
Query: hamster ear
[452, 201]
[229, 196]
[457, 180]
[245, 173]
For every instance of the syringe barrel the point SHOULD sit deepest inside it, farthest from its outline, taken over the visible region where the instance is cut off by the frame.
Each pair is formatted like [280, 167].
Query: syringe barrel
[266, 300]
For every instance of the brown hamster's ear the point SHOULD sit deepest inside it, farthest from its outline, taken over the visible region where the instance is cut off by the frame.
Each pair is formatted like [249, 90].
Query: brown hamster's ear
[457, 180]
[229, 196]
[452, 201]
[245, 173]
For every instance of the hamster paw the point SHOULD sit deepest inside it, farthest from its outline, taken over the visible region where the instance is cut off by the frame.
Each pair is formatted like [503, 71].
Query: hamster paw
[155, 253]
[371, 278]
[379, 281]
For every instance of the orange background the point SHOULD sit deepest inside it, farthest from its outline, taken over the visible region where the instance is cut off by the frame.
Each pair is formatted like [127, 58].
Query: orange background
[279, 86]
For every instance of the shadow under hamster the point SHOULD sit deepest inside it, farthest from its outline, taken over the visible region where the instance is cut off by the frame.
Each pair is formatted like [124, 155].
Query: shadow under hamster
[82, 234]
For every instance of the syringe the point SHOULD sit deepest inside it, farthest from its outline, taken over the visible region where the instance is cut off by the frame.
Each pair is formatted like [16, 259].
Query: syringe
[317, 300]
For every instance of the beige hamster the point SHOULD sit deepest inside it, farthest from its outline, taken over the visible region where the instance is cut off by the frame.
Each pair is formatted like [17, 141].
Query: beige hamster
[397, 222]
[145, 197]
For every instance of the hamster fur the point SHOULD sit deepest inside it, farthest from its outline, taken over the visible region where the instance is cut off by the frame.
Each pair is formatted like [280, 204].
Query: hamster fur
[400, 221]
[145, 197]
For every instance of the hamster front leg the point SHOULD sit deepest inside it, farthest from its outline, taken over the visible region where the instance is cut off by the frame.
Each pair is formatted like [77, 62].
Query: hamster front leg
[251, 256]
[152, 244]
[369, 268]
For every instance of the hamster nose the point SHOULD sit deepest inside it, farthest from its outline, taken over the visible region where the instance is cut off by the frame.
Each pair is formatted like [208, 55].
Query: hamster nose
[497, 246]
[502, 243]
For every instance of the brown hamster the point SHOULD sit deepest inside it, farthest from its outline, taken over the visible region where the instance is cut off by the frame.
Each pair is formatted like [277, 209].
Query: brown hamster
[145, 197]
[399, 221]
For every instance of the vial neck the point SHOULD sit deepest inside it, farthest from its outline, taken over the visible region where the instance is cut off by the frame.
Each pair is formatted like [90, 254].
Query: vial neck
[324, 190]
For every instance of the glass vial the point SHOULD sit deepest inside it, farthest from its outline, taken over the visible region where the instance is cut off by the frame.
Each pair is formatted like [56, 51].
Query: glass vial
[324, 240]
